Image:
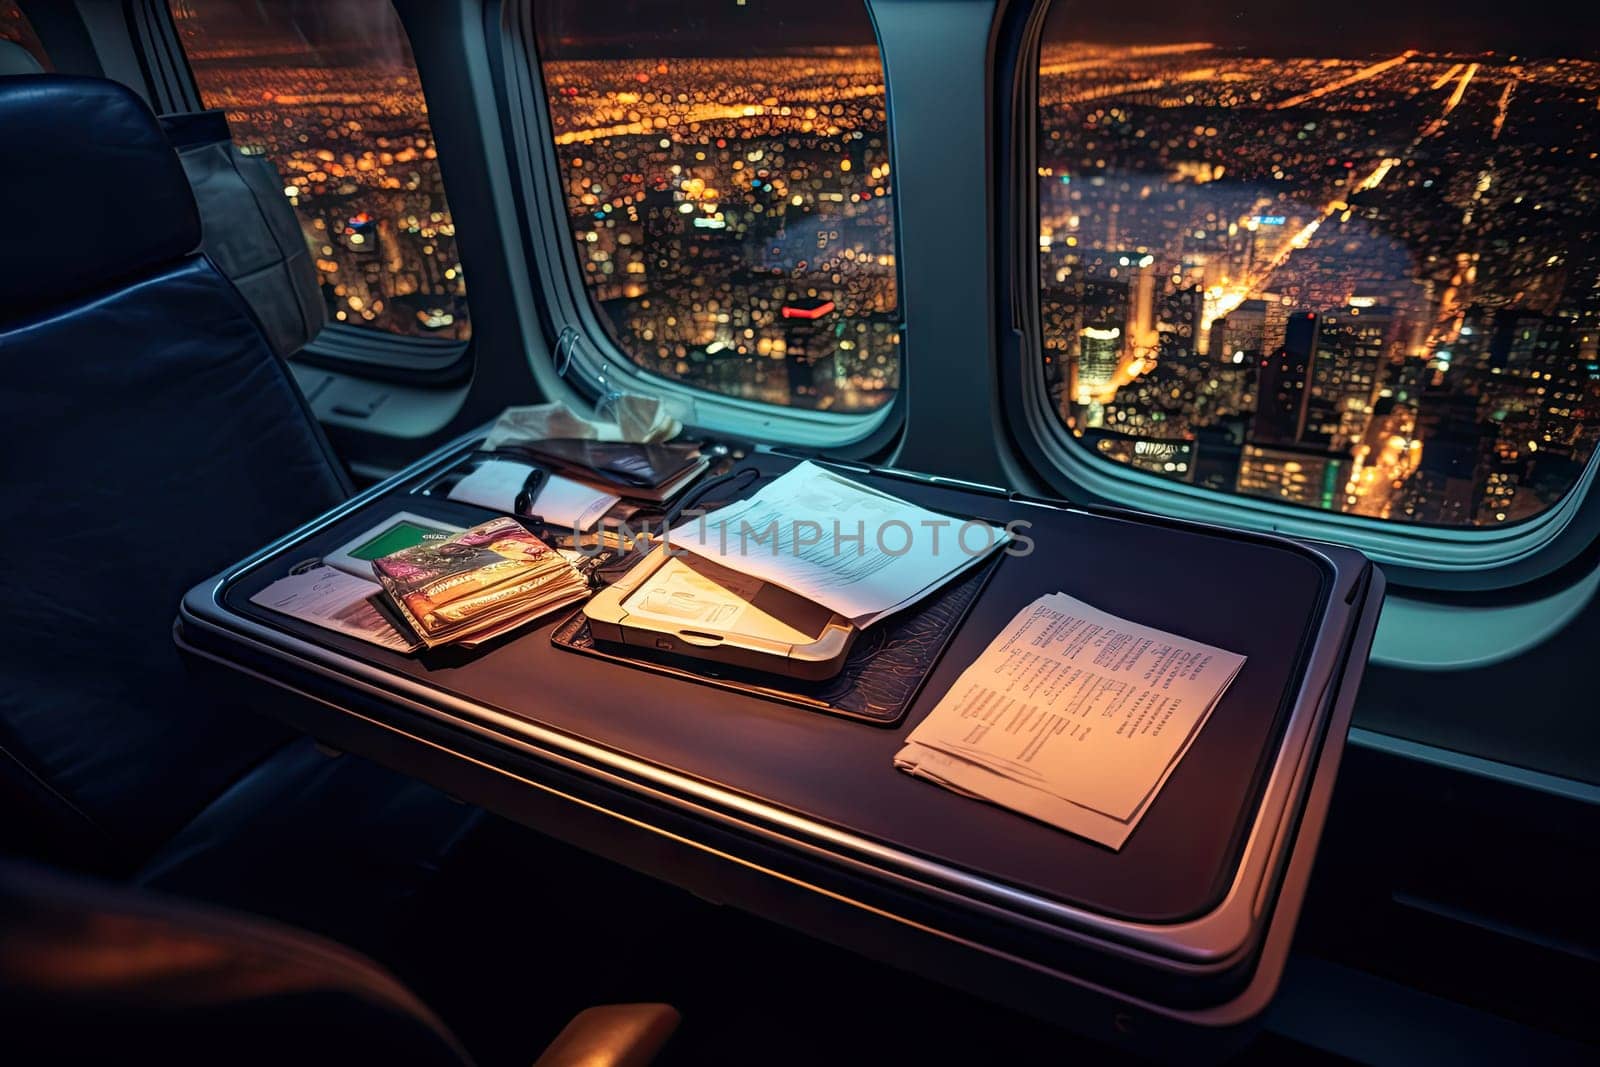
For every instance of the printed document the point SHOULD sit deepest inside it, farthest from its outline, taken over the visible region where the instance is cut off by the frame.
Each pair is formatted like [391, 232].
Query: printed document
[860, 552]
[1072, 716]
[324, 596]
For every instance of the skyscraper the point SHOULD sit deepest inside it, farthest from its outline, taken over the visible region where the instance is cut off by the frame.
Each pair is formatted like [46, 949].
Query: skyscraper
[1142, 336]
[1098, 351]
[1268, 235]
[1307, 476]
[1444, 487]
[1240, 334]
[1344, 376]
[1281, 386]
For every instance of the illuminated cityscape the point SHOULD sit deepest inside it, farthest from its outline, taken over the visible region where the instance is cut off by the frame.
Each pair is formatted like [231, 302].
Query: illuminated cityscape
[1368, 284]
[731, 212]
[330, 94]
[733, 218]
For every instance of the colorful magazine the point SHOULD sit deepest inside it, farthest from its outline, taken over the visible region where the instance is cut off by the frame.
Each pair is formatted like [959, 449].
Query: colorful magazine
[494, 576]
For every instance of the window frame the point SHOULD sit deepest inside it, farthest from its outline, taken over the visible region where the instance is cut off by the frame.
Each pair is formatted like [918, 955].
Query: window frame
[583, 350]
[1430, 557]
[370, 352]
[45, 59]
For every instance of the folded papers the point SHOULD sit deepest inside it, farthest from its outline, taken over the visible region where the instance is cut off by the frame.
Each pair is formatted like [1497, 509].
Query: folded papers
[1071, 716]
[338, 601]
[853, 549]
[478, 584]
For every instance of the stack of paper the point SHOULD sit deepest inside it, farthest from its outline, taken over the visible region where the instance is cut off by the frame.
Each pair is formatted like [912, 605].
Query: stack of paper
[852, 549]
[1073, 717]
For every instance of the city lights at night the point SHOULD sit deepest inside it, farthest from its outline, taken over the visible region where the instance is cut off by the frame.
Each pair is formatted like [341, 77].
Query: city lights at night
[730, 198]
[1366, 283]
[1339, 273]
[330, 94]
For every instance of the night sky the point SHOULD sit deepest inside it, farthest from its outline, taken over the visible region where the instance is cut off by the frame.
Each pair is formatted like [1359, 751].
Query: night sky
[580, 28]
[575, 29]
[1332, 27]
[1337, 27]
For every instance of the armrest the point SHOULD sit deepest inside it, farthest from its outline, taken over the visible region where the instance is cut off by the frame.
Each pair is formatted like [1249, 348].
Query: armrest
[612, 1035]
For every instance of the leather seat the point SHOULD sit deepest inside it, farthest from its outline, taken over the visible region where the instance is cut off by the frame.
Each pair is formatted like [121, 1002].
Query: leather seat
[91, 973]
[152, 438]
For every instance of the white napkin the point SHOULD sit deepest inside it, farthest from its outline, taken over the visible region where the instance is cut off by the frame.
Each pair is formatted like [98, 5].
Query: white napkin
[639, 419]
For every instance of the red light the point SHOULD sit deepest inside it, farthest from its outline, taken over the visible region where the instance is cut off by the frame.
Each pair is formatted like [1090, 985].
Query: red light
[808, 312]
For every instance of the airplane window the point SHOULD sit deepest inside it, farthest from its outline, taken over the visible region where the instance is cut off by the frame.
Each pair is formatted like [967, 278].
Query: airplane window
[726, 174]
[14, 26]
[1338, 261]
[329, 92]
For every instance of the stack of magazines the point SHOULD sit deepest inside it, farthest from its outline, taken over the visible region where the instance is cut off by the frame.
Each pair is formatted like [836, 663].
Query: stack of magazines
[473, 586]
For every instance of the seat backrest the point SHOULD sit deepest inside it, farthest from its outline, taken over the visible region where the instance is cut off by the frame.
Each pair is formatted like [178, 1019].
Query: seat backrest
[94, 973]
[251, 233]
[152, 438]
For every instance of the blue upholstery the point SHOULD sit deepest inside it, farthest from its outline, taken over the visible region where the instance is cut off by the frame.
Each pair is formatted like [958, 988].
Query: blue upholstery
[152, 439]
[283, 840]
[94, 193]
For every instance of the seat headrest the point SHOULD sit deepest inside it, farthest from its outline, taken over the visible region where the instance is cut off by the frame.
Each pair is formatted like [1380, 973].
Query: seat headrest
[94, 194]
[15, 59]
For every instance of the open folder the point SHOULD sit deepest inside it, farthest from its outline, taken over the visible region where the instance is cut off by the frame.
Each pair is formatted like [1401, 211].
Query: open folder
[561, 502]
